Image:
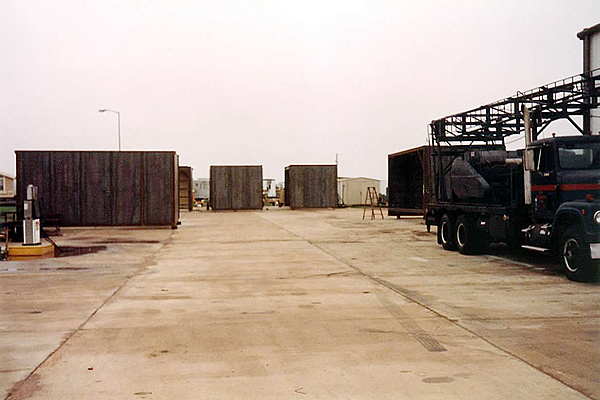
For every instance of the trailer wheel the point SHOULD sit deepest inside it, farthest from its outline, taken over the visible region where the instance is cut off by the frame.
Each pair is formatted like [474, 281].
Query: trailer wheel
[575, 257]
[467, 241]
[447, 231]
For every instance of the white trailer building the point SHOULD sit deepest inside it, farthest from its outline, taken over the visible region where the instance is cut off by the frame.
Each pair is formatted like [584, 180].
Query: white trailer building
[202, 188]
[7, 185]
[353, 191]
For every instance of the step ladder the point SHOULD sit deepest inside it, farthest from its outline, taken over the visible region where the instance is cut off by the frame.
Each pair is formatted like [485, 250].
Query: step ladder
[372, 200]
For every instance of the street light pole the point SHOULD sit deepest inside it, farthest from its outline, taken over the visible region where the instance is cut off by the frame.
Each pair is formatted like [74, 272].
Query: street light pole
[118, 120]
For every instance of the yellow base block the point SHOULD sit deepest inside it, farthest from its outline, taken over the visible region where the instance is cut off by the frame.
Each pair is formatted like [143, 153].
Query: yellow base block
[16, 251]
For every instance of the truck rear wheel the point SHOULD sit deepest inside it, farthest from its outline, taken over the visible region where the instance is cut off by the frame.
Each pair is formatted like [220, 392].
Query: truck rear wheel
[467, 241]
[575, 256]
[447, 232]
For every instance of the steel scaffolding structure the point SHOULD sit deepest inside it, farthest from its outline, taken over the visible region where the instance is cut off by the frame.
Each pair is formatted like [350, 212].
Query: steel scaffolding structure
[491, 123]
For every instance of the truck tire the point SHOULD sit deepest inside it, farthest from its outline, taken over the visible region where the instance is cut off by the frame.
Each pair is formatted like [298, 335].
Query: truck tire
[467, 240]
[447, 232]
[575, 256]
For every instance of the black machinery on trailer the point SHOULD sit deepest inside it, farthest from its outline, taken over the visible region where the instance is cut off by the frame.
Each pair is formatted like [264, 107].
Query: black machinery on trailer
[545, 197]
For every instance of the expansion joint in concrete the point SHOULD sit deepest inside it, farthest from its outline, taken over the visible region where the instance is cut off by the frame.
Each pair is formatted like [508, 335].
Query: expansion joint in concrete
[140, 267]
[403, 293]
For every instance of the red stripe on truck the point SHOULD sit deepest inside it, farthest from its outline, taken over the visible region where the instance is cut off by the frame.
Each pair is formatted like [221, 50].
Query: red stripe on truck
[566, 187]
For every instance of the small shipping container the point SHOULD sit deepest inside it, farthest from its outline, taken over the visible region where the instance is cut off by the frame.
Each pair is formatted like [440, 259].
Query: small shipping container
[102, 188]
[311, 186]
[409, 186]
[186, 189]
[236, 187]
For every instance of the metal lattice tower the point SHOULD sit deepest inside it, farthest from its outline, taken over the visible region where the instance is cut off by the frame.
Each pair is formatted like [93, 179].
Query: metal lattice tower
[491, 123]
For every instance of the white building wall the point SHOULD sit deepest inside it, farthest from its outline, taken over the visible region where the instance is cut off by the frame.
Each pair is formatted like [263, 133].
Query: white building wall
[353, 191]
[595, 64]
[269, 187]
[7, 186]
[202, 188]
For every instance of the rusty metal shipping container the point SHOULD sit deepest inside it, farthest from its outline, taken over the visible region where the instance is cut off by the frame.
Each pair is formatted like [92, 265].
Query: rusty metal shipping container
[410, 183]
[186, 189]
[409, 186]
[311, 186]
[236, 187]
[102, 188]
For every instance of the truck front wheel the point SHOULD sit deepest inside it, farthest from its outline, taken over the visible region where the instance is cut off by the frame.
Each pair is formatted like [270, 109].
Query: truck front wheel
[447, 231]
[575, 256]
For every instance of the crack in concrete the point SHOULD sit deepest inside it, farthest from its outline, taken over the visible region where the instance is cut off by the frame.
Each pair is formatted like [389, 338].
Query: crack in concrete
[6, 371]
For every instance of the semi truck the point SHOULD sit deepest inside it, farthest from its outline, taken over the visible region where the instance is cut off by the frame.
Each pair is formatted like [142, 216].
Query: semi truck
[544, 197]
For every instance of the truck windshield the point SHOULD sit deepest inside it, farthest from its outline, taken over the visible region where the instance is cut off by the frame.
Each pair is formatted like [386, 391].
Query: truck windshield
[579, 155]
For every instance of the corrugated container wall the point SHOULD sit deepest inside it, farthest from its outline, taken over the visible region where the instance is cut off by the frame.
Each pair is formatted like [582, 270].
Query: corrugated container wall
[186, 189]
[236, 187]
[102, 188]
[311, 186]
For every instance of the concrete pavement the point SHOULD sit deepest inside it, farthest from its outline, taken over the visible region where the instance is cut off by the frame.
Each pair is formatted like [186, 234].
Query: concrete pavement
[293, 304]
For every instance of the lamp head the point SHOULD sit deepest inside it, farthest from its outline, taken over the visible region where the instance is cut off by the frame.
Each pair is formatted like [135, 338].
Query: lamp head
[102, 110]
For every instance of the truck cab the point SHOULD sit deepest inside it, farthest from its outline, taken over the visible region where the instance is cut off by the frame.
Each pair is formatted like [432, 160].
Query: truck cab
[565, 202]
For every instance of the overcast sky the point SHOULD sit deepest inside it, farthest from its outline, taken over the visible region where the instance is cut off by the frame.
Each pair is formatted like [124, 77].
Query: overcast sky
[269, 82]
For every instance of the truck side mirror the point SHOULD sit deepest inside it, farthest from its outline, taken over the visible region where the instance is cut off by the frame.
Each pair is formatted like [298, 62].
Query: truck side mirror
[529, 160]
